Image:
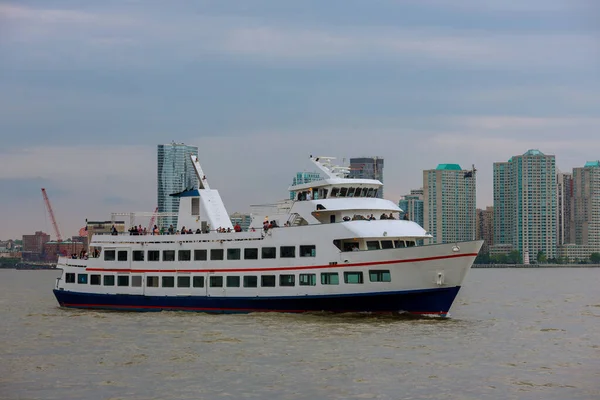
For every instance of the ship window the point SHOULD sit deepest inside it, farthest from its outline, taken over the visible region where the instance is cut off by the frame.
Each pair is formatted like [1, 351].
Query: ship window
[216, 281]
[410, 243]
[216, 254]
[307, 279]
[109, 280]
[95, 280]
[379, 275]
[399, 243]
[325, 193]
[267, 281]
[373, 245]
[335, 192]
[364, 191]
[234, 254]
[152, 281]
[70, 277]
[153, 255]
[168, 281]
[330, 278]
[136, 281]
[138, 255]
[353, 277]
[287, 280]
[122, 280]
[168, 255]
[370, 192]
[122, 255]
[109, 255]
[269, 252]
[82, 279]
[250, 254]
[343, 192]
[287, 251]
[198, 281]
[199, 255]
[375, 192]
[250, 281]
[184, 255]
[387, 244]
[233, 281]
[308, 251]
[351, 192]
[183, 281]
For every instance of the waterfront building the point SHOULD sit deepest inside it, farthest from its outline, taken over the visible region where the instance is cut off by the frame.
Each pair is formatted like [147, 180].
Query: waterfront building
[33, 245]
[525, 202]
[585, 218]
[243, 219]
[302, 178]
[367, 168]
[485, 228]
[175, 174]
[412, 206]
[564, 197]
[449, 203]
[66, 248]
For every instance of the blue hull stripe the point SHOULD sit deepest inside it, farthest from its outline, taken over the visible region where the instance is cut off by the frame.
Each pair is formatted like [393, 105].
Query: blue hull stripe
[427, 301]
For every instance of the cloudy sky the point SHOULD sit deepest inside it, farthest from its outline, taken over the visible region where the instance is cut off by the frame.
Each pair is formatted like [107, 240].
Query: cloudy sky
[89, 88]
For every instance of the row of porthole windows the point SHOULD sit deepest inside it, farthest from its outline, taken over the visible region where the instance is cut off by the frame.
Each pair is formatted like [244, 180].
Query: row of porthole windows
[247, 281]
[215, 254]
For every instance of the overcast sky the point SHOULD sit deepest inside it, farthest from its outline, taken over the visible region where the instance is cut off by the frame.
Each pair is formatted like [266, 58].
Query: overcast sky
[89, 88]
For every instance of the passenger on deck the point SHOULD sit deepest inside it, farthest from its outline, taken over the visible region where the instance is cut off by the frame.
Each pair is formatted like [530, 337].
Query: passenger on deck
[183, 230]
[308, 195]
[140, 230]
[405, 216]
[145, 231]
[155, 230]
[383, 216]
[113, 231]
[355, 248]
[171, 230]
[372, 218]
[346, 218]
[391, 216]
[198, 231]
[237, 228]
[228, 230]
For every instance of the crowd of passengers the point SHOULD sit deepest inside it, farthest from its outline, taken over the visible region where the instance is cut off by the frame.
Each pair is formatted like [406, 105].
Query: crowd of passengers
[138, 230]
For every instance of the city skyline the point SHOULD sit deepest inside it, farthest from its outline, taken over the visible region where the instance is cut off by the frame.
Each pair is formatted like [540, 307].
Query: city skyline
[260, 87]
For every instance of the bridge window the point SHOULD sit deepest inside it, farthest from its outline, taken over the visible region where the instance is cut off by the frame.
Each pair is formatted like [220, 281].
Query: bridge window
[199, 255]
[287, 280]
[351, 192]
[153, 255]
[183, 281]
[198, 281]
[109, 255]
[136, 281]
[307, 279]
[269, 252]
[122, 280]
[343, 192]
[250, 281]
[109, 280]
[330, 278]
[168, 255]
[335, 192]
[370, 192]
[233, 281]
[287, 251]
[410, 243]
[379, 275]
[168, 281]
[267, 281]
[216, 254]
[250, 254]
[399, 243]
[216, 281]
[95, 280]
[364, 191]
[184, 255]
[152, 281]
[373, 245]
[308, 251]
[353, 277]
[70, 277]
[234, 254]
[138, 255]
[387, 244]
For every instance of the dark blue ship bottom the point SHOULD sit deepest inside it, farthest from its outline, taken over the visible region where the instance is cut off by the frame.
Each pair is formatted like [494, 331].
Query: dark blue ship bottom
[426, 301]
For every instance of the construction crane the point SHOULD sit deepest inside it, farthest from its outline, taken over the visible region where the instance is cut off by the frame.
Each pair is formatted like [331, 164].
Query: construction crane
[54, 224]
[151, 225]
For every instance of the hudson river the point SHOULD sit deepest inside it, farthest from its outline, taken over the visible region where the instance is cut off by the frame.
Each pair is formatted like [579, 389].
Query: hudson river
[513, 334]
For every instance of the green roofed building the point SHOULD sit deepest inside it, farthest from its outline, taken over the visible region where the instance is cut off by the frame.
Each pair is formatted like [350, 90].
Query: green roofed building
[449, 203]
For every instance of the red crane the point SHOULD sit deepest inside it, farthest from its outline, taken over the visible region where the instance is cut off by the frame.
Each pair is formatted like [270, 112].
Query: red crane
[54, 224]
[151, 225]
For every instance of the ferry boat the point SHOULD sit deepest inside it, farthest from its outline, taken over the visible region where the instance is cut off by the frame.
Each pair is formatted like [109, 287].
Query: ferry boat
[334, 247]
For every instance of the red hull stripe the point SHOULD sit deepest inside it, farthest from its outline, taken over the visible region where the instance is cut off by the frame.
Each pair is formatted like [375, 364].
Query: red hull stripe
[287, 268]
[219, 309]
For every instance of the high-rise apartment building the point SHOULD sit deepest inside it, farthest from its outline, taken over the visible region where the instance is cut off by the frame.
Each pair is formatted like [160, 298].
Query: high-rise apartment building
[485, 228]
[525, 204]
[367, 168]
[412, 206]
[175, 174]
[449, 203]
[304, 177]
[564, 197]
